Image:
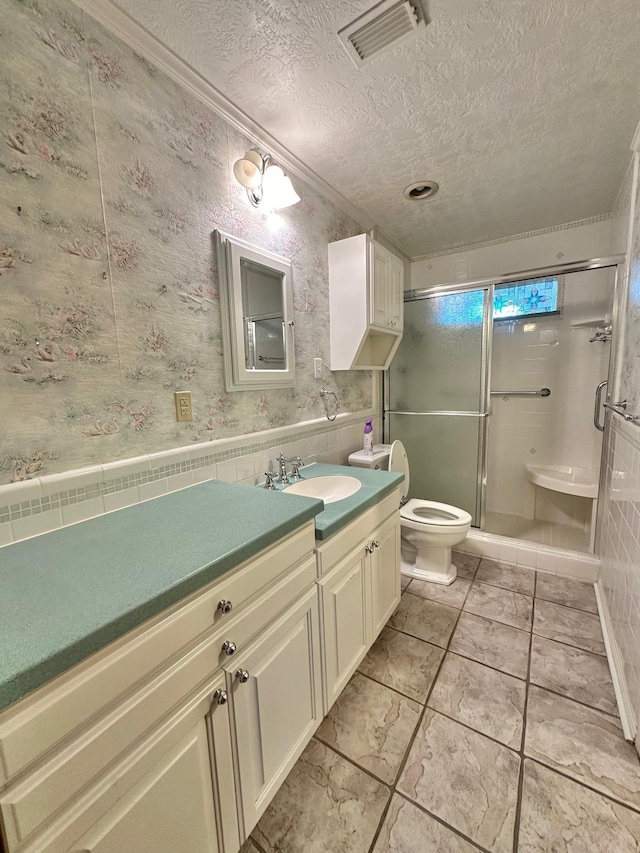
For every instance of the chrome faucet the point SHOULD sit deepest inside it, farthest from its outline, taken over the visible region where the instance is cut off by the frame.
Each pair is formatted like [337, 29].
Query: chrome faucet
[282, 467]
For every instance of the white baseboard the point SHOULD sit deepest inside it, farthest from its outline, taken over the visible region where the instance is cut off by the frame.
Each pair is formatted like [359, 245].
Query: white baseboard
[616, 665]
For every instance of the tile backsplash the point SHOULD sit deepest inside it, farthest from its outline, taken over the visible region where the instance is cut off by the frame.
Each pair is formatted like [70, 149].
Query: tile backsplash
[112, 180]
[31, 507]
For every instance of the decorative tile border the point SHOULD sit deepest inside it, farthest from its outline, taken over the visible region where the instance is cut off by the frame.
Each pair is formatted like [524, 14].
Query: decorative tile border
[113, 478]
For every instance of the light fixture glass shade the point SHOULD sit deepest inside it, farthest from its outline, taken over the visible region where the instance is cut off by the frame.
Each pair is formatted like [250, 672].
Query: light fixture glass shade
[248, 170]
[286, 194]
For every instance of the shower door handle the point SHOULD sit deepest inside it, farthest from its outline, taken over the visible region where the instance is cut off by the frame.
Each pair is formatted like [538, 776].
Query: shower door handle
[598, 406]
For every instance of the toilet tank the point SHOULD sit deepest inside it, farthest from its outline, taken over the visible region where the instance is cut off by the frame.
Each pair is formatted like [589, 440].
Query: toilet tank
[379, 458]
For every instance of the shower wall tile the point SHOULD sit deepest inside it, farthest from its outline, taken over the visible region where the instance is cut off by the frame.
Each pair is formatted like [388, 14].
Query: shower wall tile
[619, 542]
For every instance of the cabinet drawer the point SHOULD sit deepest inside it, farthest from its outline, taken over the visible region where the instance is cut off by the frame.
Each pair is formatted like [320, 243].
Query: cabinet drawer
[46, 790]
[331, 552]
[40, 722]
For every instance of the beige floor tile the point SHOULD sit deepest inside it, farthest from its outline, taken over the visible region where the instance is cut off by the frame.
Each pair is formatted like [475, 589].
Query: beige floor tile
[582, 743]
[484, 699]
[514, 578]
[372, 725]
[566, 625]
[583, 676]
[403, 663]
[453, 595]
[325, 803]
[567, 591]
[407, 829]
[466, 564]
[560, 816]
[425, 619]
[464, 778]
[501, 605]
[492, 643]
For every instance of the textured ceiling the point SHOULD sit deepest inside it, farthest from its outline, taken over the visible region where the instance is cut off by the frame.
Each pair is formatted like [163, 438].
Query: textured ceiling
[522, 111]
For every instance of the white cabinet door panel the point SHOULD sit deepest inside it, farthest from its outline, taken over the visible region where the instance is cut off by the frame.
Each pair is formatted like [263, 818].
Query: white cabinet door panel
[346, 634]
[170, 809]
[278, 707]
[385, 574]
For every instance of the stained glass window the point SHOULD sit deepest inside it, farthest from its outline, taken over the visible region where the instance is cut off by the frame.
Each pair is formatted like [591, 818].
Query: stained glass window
[526, 298]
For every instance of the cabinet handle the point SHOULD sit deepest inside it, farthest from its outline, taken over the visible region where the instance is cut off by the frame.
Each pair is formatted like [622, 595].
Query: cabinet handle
[225, 606]
[375, 544]
[368, 549]
[220, 697]
[229, 648]
[242, 675]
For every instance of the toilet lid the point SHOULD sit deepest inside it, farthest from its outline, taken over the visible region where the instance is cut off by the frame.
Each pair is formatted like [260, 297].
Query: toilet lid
[399, 463]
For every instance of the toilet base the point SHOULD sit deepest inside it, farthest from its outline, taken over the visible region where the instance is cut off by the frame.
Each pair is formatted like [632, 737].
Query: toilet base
[431, 564]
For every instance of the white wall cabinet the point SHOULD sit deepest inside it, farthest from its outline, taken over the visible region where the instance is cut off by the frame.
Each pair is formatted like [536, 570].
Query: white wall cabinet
[366, 296]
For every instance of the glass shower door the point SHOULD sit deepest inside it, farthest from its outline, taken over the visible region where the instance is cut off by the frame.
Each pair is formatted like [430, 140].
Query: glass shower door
[436, 396]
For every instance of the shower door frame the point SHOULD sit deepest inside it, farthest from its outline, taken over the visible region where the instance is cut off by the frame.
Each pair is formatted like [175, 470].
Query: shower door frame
[489, 284]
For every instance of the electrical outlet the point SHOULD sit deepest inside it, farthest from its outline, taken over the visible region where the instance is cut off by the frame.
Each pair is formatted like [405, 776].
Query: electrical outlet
[317, 368]
[184, 412]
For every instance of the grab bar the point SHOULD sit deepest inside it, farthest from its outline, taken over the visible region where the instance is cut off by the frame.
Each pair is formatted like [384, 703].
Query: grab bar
[543, 392]
[597, 405]
[620, 409]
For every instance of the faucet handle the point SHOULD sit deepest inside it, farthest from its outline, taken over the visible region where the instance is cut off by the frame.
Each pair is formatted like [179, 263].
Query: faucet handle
[296, 464]
[268, 483]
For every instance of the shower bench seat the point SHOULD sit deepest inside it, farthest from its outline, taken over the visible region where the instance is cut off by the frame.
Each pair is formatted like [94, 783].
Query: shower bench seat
[569, 480]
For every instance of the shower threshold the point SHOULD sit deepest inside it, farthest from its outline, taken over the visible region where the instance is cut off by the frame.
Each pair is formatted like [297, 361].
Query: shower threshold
[540, 532]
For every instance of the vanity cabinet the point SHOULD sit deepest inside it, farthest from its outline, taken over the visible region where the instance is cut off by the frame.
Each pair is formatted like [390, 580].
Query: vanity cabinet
[176, 736]
[366, 303]
[358, 592]
[165, 747]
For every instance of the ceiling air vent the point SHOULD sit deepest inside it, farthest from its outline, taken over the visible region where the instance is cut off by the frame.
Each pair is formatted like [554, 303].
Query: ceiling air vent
[386, 24]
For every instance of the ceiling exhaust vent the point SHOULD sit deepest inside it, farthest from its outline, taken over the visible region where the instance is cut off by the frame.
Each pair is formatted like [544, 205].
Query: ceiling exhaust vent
[386, 24]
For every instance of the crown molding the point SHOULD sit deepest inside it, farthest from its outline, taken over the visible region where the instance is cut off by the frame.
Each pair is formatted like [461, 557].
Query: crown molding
[126, 28]
[578, 223]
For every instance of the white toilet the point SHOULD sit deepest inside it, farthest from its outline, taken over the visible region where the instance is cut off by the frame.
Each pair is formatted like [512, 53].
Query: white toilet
[429, 529]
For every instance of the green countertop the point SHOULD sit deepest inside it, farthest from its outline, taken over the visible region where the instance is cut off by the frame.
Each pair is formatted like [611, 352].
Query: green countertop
[375, 485]
[68, 593]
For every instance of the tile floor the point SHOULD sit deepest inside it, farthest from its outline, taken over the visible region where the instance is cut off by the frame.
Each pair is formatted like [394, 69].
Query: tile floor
[483, 718]
[541, 532]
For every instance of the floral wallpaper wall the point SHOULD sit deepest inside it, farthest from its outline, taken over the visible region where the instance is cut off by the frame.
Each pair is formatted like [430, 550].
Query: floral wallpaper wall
[112, 180]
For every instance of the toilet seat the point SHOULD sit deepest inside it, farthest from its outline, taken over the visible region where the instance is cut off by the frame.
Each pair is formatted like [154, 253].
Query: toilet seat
[420, 514]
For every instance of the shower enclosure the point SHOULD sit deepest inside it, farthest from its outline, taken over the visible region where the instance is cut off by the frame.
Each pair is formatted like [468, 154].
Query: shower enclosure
[491, 392]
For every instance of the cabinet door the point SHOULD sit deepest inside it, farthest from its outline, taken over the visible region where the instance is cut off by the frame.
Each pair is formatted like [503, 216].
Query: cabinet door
[276, 692]
[170, 809]
[346, 632]
[380, 275]
[396, 293]
[384, 571]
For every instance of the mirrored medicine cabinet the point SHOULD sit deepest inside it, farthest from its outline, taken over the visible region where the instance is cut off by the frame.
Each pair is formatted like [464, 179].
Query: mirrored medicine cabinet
[256, 303]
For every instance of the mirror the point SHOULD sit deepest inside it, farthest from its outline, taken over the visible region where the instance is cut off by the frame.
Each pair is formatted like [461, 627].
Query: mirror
[256, 301]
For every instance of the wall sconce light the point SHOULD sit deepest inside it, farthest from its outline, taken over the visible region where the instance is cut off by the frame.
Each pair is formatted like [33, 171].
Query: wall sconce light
[264, 181]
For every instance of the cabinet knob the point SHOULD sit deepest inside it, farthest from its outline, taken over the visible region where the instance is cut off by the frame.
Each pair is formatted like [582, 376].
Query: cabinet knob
[375, 544]
[242, 675]
[229, 648]
[220, 697]
[368, 549]
[225, 606]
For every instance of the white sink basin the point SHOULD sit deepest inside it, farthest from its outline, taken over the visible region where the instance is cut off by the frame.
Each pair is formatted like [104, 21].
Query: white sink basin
[329, 489]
